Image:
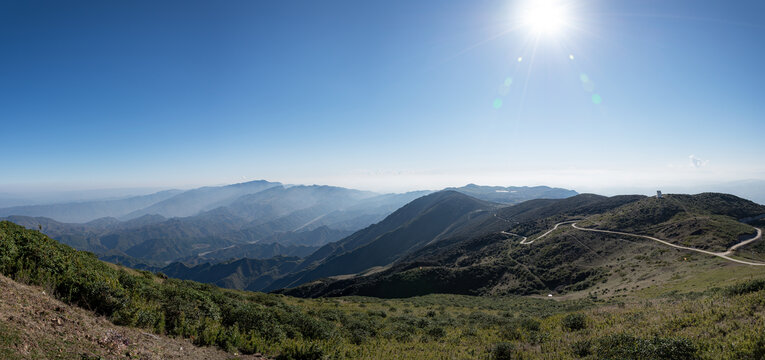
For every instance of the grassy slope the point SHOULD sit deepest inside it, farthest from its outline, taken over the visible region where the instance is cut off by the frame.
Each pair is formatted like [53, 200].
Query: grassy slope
[718, 325]
[705, 221]
[568, 261]
[688, 319]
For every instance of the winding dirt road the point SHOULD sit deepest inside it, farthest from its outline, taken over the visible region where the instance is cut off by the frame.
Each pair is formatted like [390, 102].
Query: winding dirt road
[723, 255]
[525, 240]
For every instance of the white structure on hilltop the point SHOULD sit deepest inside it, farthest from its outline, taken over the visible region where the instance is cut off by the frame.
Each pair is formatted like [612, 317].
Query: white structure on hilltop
[658, 194]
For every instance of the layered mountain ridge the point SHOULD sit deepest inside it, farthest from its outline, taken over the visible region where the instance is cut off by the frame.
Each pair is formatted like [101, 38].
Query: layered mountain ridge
[195, 226]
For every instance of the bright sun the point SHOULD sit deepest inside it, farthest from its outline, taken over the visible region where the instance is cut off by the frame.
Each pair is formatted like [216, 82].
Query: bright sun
[545, 16]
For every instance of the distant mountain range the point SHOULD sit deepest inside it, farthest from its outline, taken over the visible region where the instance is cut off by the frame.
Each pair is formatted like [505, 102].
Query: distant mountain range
[79, 212]
[219, 223]
[243, 200]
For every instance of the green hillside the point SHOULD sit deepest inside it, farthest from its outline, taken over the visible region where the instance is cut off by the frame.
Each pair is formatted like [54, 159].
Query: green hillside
[706, 221]
[245, 322]
[568, 261]
[706, 315]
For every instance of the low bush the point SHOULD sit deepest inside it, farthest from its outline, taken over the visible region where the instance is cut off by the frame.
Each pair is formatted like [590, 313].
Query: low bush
[503, 351]
[360, 329]
[510, 332]
[402, 332]
[435, 332]
[624, 346]
[581, 348]
[529, 324]
[574, 322]
[302, 352]
[746, 287]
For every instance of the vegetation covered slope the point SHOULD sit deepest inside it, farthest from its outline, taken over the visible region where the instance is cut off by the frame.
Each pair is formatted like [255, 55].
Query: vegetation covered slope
[685, 319]
[706, 221]
[242, 274]
[246, 322]
[34, 325]
[566, 261]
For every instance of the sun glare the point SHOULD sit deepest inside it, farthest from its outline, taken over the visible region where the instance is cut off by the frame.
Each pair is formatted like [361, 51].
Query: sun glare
[546, 17]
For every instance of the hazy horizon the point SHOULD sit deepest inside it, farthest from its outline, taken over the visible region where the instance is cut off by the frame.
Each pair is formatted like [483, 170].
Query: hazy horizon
[750, 189]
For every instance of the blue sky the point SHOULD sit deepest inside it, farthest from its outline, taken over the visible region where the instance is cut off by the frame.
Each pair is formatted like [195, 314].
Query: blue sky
[388, 95]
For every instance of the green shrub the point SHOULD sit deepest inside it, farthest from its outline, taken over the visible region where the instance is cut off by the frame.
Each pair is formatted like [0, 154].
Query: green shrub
[230, 339]
[402, 332]
[581, 348]
[311, 328]
[332, 315]
[510, 332]
[250, 343]
[209, 332]
[574, 322]
[360, 329]
[469, 332]
[751, 349]
[301, 352]
[503, 351]
[746, 287]
[378, 313]
[529, 324]
[484, 320]
[435, 332]
[623, 346]
[255, 317]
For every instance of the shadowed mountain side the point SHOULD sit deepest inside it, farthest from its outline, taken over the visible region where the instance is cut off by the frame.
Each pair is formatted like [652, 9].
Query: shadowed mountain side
[244, 274]
[420, 222]
[489, 265]
[251, 251]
